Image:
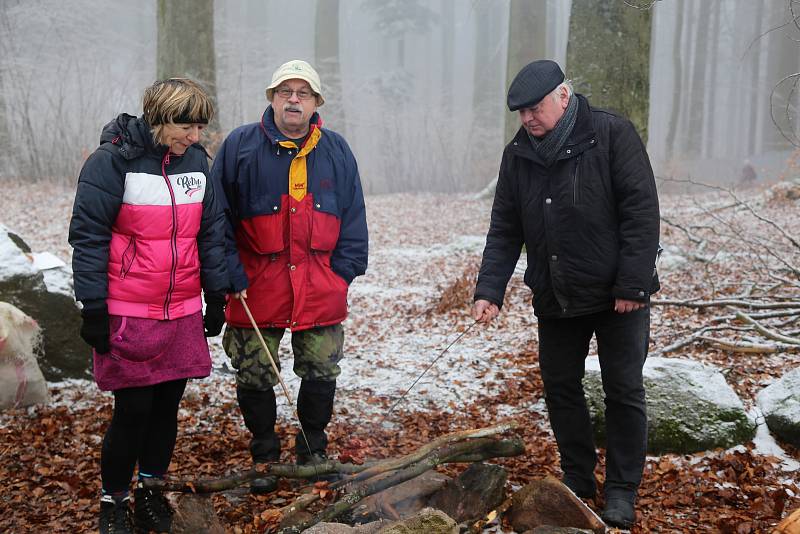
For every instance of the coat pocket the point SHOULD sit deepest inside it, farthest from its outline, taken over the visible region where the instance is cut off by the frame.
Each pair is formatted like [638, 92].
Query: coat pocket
[325, 223]
[264, 234]
[140, 340]
[127, 258]
[576, 181]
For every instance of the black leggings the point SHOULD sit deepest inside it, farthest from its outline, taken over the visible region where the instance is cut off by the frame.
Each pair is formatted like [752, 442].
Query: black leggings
[143, 428]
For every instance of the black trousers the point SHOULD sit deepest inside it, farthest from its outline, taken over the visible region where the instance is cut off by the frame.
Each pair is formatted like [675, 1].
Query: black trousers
[143, 429]
[622, 341]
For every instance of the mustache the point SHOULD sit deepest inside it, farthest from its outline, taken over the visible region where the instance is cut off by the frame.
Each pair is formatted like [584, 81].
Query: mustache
[292, 107]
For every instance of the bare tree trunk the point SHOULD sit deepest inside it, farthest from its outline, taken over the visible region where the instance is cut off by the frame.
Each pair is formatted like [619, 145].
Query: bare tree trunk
[696, 94]
[5, 137]
[608, 57]
[527, 41]
[186, 43]
[486, 106]
[677, 86]
[326, 52]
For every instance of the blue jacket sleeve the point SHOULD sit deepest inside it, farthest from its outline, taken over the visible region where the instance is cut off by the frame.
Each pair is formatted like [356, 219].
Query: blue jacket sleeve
[101, 186]
[349, 258]
[211, 240]
[223, 179]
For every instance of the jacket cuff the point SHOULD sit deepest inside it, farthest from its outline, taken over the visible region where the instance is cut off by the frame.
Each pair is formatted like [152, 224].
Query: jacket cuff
[491, 298]
[94, 304]
[627, 293]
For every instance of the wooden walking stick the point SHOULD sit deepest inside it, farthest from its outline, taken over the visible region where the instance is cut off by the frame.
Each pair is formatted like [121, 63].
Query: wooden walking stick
[278, 374]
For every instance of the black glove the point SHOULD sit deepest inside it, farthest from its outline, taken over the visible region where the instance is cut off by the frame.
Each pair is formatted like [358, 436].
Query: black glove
[214, 319]
[95, 327]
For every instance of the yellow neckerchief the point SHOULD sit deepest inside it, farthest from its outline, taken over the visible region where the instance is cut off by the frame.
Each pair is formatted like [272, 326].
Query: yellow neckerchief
[298, 171]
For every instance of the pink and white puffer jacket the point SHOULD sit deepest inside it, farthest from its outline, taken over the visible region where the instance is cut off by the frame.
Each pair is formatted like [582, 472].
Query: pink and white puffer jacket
[146, 228]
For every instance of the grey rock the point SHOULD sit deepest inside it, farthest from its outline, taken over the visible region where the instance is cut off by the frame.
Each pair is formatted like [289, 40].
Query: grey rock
[780, 404]
[339, 528]
[690, 407]
[65, 355]
[427, 521]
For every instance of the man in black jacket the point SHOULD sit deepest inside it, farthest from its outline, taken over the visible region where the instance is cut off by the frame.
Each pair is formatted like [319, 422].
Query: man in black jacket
[576, 188]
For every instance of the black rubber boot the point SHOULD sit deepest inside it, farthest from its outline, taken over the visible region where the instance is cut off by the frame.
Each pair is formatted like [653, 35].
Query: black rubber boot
[314, 408]
[259, 410]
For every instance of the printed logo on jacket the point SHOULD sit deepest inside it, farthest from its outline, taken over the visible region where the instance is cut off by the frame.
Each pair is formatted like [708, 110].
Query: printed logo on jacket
[144, 189]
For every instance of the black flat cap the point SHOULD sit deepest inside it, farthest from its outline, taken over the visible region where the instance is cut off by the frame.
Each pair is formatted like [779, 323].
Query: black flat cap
[533, 83]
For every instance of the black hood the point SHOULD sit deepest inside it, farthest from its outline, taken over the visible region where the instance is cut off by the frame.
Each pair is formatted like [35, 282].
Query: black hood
[131, 134]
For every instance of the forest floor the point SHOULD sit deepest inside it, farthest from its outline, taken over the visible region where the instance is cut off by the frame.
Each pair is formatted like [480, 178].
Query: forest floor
[414, 300]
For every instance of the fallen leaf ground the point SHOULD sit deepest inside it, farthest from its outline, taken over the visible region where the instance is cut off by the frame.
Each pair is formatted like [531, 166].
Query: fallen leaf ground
[413, 302]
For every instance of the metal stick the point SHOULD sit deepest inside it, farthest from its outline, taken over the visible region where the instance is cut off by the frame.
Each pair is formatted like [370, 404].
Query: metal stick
[391, 409]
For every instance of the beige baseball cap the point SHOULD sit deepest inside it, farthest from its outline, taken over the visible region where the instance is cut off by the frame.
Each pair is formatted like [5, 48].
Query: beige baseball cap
[296, 69]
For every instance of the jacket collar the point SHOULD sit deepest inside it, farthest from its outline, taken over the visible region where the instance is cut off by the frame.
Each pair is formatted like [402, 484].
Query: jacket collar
[270, 129]
[131, 134]
[581, 139]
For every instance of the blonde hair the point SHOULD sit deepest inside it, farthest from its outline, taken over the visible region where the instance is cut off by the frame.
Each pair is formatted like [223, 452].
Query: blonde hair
[175, 101]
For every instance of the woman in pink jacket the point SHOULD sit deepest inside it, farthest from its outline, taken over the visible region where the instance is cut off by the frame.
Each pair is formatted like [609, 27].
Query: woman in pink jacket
[148, 234]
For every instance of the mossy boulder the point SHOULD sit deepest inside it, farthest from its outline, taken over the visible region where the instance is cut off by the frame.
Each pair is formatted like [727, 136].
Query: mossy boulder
[780, 404]
[45, 296]
[690, 407]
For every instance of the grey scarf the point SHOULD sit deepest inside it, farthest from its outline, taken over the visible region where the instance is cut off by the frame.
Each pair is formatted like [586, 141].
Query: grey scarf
[547, 147]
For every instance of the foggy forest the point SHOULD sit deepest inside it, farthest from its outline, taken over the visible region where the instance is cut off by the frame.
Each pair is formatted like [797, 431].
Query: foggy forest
[708, 84]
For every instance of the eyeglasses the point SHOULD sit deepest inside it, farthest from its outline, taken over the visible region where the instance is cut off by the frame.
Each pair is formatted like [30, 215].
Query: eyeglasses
[302, 94]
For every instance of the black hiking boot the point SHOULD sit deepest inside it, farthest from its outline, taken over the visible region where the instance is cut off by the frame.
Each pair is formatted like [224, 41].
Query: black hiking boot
[115, 515]
[151, 511]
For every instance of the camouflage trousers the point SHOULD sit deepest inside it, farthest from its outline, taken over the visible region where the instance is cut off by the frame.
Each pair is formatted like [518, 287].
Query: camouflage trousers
[317, 353]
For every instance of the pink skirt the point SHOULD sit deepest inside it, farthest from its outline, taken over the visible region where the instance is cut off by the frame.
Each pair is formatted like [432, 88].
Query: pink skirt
[148, 351]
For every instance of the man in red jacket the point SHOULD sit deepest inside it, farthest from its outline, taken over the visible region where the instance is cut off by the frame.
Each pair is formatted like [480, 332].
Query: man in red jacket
[297, 238]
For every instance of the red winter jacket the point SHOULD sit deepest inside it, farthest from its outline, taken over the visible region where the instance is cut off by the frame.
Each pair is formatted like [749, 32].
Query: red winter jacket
[295, 254]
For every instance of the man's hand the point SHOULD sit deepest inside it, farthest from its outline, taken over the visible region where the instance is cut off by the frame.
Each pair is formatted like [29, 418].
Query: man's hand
[241, 294]
[625, 306]
[484, 311]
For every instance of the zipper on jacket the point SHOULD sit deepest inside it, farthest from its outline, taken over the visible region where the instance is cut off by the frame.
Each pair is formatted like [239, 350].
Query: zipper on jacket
[122, 270]
[173, 242]
[575, 183]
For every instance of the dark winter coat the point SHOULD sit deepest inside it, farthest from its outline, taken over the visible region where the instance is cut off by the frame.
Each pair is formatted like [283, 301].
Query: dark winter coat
[147, 229]
[295, 257]
[590, 223]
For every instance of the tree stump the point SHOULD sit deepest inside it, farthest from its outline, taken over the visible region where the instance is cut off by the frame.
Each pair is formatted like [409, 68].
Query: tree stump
[473, 494]
[194, 514]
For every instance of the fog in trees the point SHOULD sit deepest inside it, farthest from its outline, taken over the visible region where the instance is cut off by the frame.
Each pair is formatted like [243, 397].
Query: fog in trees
[416, 86]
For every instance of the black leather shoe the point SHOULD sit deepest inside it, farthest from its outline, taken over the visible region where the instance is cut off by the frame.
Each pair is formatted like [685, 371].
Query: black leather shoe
[619, 513]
